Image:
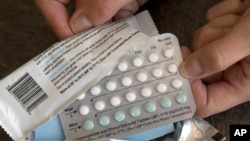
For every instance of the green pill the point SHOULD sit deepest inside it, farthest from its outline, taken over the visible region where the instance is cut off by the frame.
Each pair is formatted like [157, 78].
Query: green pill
[88, 125]
[150, 107]
[135, 112]
[104, 120]
[119, 116]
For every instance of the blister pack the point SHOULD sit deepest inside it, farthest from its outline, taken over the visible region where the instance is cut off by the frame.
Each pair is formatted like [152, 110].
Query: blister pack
[143, 92]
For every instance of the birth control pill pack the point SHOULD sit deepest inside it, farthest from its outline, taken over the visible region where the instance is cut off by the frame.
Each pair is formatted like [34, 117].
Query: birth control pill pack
[143, 92]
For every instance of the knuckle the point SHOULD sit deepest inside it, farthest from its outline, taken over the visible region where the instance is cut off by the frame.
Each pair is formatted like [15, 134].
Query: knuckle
[106, 7]
[205, 31]
[201, 36]
[104, 10]
[218, 58]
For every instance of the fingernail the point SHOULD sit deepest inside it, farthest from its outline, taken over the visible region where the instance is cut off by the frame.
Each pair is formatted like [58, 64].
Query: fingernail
[81, 23]
[191, 68]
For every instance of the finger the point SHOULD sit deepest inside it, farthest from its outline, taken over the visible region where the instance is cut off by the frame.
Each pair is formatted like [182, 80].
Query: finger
[215, 98]
[57, 16]
[226, 7]
[213, 30]
[141, 2]
[210, 79]
[129, 9]
[185, 51]
[90, 13]
[215, 57]
[220, 54]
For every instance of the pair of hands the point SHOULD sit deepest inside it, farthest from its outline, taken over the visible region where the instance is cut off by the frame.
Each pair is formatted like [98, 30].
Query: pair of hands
[220, 50]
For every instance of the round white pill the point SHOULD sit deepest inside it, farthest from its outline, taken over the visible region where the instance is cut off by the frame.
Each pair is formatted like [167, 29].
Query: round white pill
[142, 77]
[96, 90]
[153, 57]
[99, 105]
[138, 62]
[157, 72]
[83, 110]
[172, 68]
[81, 97]
[176, 83]
[123, 66]
[169, 52]
[126, 81]
[115, 101]
[161, 88]
[130, 96]
[111, 85]
[146, 92]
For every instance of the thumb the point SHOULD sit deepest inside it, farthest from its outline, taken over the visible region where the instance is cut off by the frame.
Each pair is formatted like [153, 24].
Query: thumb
[90, 13]
[217, 56]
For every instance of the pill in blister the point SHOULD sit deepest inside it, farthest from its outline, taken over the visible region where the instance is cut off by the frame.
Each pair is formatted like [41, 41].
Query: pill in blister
[115, 101]
[130, 96]
[83, 110]
[153, 57]
[176, 83]
[169, 52]
[119, 116]
[181, 98]
[99, 105]
[138, 61]
[96, 90]
[172, 68]
[165, 102]
[150, 107]
[88, 125]
[161, 88]
[104, 120]
[126, 81]
[111, 85]
[123, 66]
[157, 72]
[142, 76]
[146, 92]
[81, 97]
[135, 111]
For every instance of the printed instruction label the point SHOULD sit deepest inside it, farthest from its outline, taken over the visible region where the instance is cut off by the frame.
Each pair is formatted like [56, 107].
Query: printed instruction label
[66, 64]
[60, 74]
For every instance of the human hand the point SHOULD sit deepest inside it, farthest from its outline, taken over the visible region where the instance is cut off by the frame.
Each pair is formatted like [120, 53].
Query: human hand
[220, 58]
[87, 14]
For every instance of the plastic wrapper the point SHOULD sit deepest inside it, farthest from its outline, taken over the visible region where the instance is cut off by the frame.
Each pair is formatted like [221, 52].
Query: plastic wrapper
[37, 91]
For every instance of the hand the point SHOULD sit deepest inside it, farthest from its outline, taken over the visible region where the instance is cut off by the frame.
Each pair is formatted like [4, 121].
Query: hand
[87, 14]
[221, 59]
